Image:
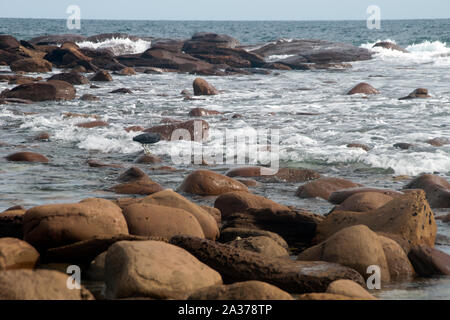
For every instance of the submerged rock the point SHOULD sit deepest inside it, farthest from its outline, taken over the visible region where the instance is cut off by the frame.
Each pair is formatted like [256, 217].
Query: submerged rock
[363, 88]
[43, 91]
[418, 93]
[27, 157]
[390, 45]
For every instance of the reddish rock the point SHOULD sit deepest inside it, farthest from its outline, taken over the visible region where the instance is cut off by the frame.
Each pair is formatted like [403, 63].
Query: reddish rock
[205, 182]
[363, 88]
[31, 65]
[135, 181]
[364, 201]
[43, 136]
[324, 187]
[203, 88]
[340, 196]
[148, 159]
[201, 112]
[17, 254]
[429, 262]
[28, 157]
[196, 130]
[96, 164]
[43, 91]
[70, 77]
[420, 93]
[134, 129]
[102, 76]
[92, 124]
[358, 145]
[437, 189]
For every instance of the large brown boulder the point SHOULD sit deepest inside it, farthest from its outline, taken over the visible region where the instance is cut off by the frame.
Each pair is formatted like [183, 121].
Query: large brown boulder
[102, 76]
[31, 65]
[356, 247]
[172, 199]
[350, 289]
[210, 183]
[248, 290]
[198, 130]
[38, 285]
[203, 88]
[8, 42]
[437, 189]
[261, 244]
[363, 88]
[340, 196]
[146, 219]
[156, 270]
[230, 234]
[400, 268]
[43, 91]
[324, 187]
[69, 56]
[236, 201]
[136, 181]
[55, 225]
[409, 217]
[16, 254]
[364, 201]
[429, 262]
[27, 157]
[236, 265]
[70, 77]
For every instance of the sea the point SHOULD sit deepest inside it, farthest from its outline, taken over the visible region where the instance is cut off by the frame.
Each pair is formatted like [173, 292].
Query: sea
[314, 118]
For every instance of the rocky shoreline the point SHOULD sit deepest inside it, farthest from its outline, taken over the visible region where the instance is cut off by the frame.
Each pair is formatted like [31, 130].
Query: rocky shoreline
[154, 243]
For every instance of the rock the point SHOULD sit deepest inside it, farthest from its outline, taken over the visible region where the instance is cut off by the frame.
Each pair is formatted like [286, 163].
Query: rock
[350, 289]
[418, 93]
[200, 112]
[16, 254]
[282, 174]
[400, 268]
[155, 270]
[403, 146]
[43, 91]
[429, 262]
[38, 285]
[323, 297]
[145, 219]
[198, 130]
[128, 71]
[203, 88]
[135, 181]
[436, 188]
[148, 159]
[70, 77]
[55, 225]
[102, 76]
[8, 42]
[324, 187]
[444, 218]
[122, 90]
[92, 124]
[390, 45]
[215, 213]
[89, 97]
[340, 196]
[31, 65]
[172, 199]
[408, 216]
[27, 157]
[83, 252]
[204, 42]
[70, 57]
[363, 88]
[206, 182]
[57, 39]
[356, 247]
[358, 145]
[439, 142]
[43, 136]
[248, 290]
[134, 129]
[231, 234]
[364, 201]
[236, 201]
[97, 164]
[314, 51]
[236, 265]
[261, 244]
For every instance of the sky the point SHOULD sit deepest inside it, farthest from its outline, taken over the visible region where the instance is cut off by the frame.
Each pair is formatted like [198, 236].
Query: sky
[226, 9]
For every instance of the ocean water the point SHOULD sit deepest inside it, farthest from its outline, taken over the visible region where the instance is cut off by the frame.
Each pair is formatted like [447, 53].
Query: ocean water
[315, 119]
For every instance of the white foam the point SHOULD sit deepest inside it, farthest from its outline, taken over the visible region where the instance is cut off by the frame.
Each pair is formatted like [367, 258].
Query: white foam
[118, 46]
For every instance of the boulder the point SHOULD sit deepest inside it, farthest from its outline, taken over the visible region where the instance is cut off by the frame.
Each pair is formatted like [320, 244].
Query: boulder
[358, 145]
[145, 219]
[231, 234]
[16, 254]
[57, 39]
[172, 199]
[206, 183]
[248, 290]
[204, 42]
[420, 93]
[135, 181]
[261, 244]
[236, 201]
[436, 188]
[43, 136]
[215, 213]
[390, 45]
[38, 285]
[43, 91]
[127, 71]
[55, 225]
[70, 57]
[201, 112]
[340, 196]
[409, 217]
[324, 187]
[27, 157]
[236, 265]
[148, 159]
[70, 77]
[203, 88]
[92, 124]
[293, 175]
[363, 201]
[350, 289]
[31, 65]
[89, 97]
[198, 130]
[363, 88]
[8, 42]
[156, 270]
[400, 268]
[102, 76]
[429, 262]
